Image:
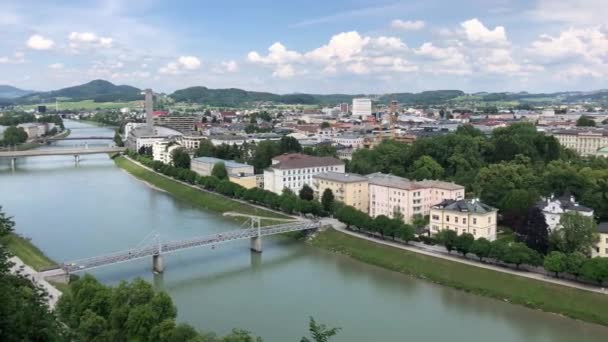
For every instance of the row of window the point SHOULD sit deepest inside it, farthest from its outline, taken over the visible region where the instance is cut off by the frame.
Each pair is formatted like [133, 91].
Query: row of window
[312, 170]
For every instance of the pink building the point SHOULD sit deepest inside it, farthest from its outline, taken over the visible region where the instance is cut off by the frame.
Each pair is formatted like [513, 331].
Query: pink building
[389, 195]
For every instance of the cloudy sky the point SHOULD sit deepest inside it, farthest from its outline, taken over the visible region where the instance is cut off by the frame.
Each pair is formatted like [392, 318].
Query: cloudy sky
[367, 46]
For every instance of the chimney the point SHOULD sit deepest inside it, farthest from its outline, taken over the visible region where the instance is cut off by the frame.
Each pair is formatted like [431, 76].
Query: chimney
[148, 105]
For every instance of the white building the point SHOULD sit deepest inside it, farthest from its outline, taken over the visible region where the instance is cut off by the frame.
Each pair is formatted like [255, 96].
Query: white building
[294, 170]
[362, 108]
[553, 208]
[192, 142]
[129, 126]
[464, 216]
[349, 140]
[162, 150]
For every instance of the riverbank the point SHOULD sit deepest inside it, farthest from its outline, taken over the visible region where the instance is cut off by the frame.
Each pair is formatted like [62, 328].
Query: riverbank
[32, 144]
[26, 251]
[573, 303]
[191, 194]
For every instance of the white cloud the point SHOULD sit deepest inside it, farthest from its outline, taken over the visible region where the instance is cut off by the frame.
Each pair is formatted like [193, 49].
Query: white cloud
[277, 54]
[56, 66]
[447, 60]
[576, 12]
[189, 62]
[342, 47]
[226, 67]
[477, 32]
[590, 43]
[407, 25]
[4, 60]
[389, 43]
[38, 42]
[284, 71]
[88, 39]
[183, 63]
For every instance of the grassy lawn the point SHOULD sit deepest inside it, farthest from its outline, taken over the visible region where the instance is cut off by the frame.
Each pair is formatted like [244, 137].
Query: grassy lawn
[199, 198]
[579, 304]
[27, 252]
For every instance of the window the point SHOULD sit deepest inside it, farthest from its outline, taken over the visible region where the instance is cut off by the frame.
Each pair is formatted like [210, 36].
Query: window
[464, 220]
[456, 219]
[490, 219]
[447, 218]
[474, 232]
[435, 217]
[474, 220]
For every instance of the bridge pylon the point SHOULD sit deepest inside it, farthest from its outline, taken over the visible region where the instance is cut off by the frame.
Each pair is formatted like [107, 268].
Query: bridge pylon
[256, 241]
[158, 264]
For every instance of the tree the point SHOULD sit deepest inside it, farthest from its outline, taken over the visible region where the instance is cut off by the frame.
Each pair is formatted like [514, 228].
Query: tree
[419, 221]
[518, 253]
[319, 332]
[118, 139]
[515, 207]
[481, 247]
[595, 269]
[307, 193]
[585, 121]
[219, 171]
[181, 158]
[577, 233]
[448, 238]
[556, 262]
[289, 145]
[325, 125]
[535, 232]
[14, 135]
[574, 263]
[426, 167]
[263, 154]
[464, 242]
[353, 217]
[6, 223]
[327, 200]
[205, 149]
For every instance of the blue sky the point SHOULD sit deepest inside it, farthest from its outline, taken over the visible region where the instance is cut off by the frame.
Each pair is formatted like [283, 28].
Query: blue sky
[360, 46]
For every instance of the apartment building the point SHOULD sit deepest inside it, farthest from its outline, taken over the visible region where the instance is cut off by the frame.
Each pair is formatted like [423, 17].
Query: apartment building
[362, 108]
[464, 216]
[191, 141]
[178, 123]
[349, 140]
[348, 188]
[162, 150]
[601, 248]
[584, 141]
[293, 170]
[554, 207]
[204, 166]
[391, 195]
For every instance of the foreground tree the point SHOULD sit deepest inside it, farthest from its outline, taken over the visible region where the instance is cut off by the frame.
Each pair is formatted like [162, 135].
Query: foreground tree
[535, 232]
[327, 200]
[481, 247]
[14, 136]
[219, 171]
[426, 167]
[205, 149]
[180, 158]
[585, 121]
[578, 233]
[464, 242]
[556, 262]
[319, 332]
[307, 193]
[448, 239]
[118, 139]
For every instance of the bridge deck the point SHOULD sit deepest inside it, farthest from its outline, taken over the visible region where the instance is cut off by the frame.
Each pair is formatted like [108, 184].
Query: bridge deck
[79, 138]
[60, 151]
[178, 245]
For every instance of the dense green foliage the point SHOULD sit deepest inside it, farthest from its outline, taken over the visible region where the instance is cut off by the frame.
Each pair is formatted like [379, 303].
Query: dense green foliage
[219, 171]
[578, 233]
[585, 121]
[24, 314]
[14, 135]
[180, 158]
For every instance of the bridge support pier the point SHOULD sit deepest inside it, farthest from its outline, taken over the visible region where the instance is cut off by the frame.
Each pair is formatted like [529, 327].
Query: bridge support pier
[13, 163]
[158, 264]
[256, 244]
[77, 158]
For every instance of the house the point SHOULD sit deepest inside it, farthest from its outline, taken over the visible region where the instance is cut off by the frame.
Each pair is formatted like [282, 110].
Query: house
[162, 150]
[464, 216]
[204, 166]
[553, 208]
[391, 195]
[601, 248]
[293, 170]
[348, 188]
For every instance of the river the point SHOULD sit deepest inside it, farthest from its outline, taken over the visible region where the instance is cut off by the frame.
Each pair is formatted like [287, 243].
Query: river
[74, 211]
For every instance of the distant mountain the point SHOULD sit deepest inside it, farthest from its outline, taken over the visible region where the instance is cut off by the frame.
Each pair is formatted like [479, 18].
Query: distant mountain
[233, 97]
[97, 90]
[10, 92]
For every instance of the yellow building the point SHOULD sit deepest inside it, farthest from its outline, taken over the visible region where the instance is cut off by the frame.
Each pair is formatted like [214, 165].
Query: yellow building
[464, 216]
[247, 181]
[601, 248]
[348, 188]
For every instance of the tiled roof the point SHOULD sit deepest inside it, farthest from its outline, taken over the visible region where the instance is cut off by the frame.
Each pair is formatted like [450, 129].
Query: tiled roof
[299, 161]
[440, 185]
[603, 227]
[566, 203]
[392, 181]
[465, 206]
[212, 160]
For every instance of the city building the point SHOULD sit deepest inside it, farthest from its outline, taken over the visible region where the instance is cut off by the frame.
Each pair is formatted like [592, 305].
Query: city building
[178, 123]
[192, 141]
[464, 216]
[294, 170]
[204, 165]
[130, 126]
[162, 150]
[343, 107]
[33, 130]
[349, 140]
[362, 108]
[348, 188]
[553, 208]
[391, 195]
[584, 141]
[601, 248]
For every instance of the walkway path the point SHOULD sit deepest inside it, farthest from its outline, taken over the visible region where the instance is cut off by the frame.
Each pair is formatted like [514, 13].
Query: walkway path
[435, 252]
[53, 292]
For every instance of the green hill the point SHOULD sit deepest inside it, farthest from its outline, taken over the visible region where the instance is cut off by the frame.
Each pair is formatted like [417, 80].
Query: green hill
[97, 90]
[10, 92]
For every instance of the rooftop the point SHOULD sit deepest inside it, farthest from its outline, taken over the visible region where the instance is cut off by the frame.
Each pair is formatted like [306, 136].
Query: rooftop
[392, 181]
[299, 161]
[427, 183]
[566, 203]
[212, 160]
[465, 206]
[602, 227]
[341, 177]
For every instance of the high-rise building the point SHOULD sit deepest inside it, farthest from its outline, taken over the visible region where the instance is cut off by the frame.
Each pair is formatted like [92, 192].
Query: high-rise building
[393, 107]
[148, 105]
[343, 107]
[362, 108]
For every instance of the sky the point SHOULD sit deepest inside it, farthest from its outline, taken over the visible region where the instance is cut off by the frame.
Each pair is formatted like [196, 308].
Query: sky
[338, 46]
